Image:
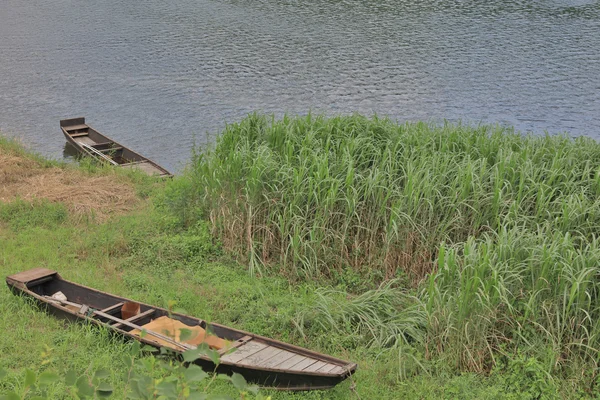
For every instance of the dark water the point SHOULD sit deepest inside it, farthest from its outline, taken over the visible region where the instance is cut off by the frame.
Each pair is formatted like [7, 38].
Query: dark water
[157, 75]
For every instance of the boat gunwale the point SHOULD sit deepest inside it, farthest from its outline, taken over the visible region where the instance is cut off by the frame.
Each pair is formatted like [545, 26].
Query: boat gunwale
[348, 368]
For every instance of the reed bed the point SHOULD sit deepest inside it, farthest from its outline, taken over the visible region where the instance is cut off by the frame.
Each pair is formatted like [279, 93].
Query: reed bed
[496, 231]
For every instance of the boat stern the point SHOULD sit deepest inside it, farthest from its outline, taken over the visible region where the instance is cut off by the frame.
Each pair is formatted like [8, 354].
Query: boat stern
[35, 275]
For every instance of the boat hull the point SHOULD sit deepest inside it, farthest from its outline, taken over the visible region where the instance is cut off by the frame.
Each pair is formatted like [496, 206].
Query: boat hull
[39, 283]
[89, 142]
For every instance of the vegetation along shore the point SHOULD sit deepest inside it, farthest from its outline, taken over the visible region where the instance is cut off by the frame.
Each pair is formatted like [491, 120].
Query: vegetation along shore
[448, 261]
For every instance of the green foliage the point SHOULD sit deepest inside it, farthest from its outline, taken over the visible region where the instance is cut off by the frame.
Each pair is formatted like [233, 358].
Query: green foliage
[148, 377]
[20, 214]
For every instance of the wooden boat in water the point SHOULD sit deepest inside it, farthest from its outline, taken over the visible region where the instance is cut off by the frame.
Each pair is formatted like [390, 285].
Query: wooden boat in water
[260, 360]
[89, 141]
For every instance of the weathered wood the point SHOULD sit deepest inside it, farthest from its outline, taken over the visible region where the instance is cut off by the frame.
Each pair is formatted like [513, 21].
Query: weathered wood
[336, 370]
[137, 317]
[244, 351]
[315, 366]
[31, 275]
[303, 364]
[76, 127]
[290, 362]
[278, 359]
[111, 308]
[326, 368]
[76, 135]
[261, 356]
[235, 345]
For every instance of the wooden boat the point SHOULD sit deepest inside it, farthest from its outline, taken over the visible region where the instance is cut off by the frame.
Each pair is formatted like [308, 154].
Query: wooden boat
[260, 360]
[89, 141]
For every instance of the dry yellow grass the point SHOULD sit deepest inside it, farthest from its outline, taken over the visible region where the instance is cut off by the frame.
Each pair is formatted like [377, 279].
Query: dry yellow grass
[27, 179]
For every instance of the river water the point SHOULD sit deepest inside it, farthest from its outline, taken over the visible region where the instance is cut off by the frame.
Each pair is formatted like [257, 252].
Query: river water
[160, 75]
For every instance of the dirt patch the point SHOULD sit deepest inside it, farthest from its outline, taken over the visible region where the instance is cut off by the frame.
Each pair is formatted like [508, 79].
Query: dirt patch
[102, 196]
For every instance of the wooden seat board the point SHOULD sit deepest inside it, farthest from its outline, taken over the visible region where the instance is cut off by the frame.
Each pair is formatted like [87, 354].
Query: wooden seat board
[277, 359]
[111, 308]
[75, 127]
[261, 356]
[244, 351]
[32, 274]
[135, 317]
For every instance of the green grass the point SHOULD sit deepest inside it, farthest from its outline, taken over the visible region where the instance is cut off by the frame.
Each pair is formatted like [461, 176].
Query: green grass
[448, 262]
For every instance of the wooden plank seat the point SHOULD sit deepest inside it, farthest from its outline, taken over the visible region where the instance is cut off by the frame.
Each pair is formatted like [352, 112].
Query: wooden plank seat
[135, 318]
[78, 134]
[108, 310]
[75, 127]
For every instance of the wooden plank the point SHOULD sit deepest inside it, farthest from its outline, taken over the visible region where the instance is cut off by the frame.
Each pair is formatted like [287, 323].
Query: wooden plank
[75, 127]
[261, 356]
[111, 308]
[315, 366]
[244, 351]
[238, 343]
[326, 368]
[336, 370]
[134, 318]
[303, 364]
[290, 362]
[31, 275]
[277, 359]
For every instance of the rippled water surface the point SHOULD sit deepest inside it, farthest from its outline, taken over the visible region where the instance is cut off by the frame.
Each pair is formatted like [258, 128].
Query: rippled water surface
[157, 75]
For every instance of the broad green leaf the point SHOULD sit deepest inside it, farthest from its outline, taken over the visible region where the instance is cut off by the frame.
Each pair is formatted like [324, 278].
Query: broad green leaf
[3, 373]
[168, 389]
[214, 356]
[252, 389]
[171, 304]
[29, 378]
[135, 349]
[239, 381]
[193, 354]
[194, 373]
[104, 389]
[102, 373]
[149, 349]
[48, 378]
[70, 378]
[84, 389]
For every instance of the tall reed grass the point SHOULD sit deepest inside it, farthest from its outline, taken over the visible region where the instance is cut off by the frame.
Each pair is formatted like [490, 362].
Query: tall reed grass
[497, 230]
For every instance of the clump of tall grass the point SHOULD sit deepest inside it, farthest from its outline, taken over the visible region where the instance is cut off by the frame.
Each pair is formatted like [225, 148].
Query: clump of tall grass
[497, 230]
[314, 194]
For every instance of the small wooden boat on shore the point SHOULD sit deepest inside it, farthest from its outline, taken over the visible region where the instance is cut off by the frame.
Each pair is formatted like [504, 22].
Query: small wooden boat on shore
[260, 360]
[89, 141]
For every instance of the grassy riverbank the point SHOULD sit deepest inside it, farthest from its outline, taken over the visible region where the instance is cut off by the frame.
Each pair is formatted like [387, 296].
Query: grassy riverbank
[448, 262]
